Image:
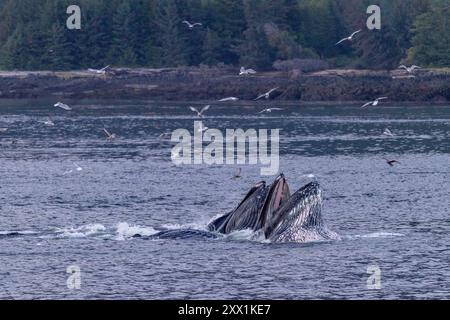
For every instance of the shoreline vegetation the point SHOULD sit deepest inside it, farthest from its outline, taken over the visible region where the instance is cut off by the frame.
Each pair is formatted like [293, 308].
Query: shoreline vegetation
[213, 83]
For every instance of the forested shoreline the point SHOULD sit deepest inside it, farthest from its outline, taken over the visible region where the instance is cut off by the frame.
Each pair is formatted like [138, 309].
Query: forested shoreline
[430, 86]
[260, 34]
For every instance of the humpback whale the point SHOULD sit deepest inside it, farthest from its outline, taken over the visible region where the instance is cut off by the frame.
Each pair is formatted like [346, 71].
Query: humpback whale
[271, 212]
[276, 214]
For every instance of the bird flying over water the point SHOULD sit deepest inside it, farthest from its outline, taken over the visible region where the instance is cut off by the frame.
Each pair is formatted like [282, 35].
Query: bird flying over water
[269, 110]
[202, 128]
[165, 135]
[49, 122]
[237, 174]
[409, 69]
[229, 99]
[388, 132]
[99, 71]
[109, 136]
[266, 95]
[191, 25]
[391, 162]
[63, 106]
[374, 103]
[200, 113]
[350, 38]
[77, 168]
[245, 72]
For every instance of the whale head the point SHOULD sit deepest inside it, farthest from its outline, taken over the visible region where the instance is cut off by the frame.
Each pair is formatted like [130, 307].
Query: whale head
[299, 218]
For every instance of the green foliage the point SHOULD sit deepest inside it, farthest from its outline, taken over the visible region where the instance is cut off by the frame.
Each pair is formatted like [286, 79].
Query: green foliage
[431, 41]
[253, 33]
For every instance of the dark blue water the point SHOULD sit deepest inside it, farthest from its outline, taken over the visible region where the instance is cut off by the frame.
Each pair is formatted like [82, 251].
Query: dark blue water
[53, 216]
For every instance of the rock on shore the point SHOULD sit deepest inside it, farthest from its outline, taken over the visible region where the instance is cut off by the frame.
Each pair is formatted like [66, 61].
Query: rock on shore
[189, 84]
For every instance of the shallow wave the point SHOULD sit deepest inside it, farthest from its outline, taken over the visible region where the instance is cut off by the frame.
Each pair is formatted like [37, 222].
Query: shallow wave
[81, 232]
[126, 231]
[379, 234]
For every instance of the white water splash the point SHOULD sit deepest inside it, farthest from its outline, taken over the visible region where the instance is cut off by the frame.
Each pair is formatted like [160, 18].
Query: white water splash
[125, 231]
[377, 235]
[81, 232]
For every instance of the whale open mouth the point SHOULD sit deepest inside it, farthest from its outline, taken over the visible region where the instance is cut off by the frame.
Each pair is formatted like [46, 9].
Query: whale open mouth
[246, 214]
[302, 211]
[273, 212]
[277, 195]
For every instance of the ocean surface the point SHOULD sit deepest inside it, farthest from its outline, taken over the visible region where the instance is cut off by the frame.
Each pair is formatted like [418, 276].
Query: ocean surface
[69, 198]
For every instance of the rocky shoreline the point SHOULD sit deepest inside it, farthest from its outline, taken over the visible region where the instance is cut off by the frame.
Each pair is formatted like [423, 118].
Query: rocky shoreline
[194, 84]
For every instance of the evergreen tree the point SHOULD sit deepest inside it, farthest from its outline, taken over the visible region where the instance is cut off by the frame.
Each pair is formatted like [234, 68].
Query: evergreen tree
[170, 43]
[211, 48]
[431, 41]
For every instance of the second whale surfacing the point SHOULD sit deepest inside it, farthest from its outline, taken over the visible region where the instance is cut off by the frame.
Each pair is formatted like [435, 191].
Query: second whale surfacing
[273, 214]
[277, 215]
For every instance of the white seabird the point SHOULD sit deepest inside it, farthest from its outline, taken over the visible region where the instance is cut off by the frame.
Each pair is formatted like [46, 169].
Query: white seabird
[350, 38]
[200, 113]
[99, 71]
[245, 72]
[266, 95]
[374, 103]
[191, 25]
[63, 106]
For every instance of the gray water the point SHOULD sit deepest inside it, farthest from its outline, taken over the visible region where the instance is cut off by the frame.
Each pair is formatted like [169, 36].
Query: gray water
[53, 216]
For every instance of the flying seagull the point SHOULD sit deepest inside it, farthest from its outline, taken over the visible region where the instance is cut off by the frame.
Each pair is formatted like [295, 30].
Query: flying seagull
[409, 69]
[99, 71]
[350, 38]
[374, 103]
[245, 72]
[63, 106]
[192, 25]
[391, 162]
[200, 113]
[202, 128]
[269, 110]
[165, 135]
[49, 122]
[229, 99]
[109, 136]
[237, 174]
[266, 95]
[388, 133]
[77, 168]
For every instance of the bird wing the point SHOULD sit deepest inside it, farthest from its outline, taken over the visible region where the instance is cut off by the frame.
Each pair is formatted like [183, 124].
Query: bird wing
[367, 104]
[403, 67]
[415, 67]
[107, 132]
[382, 98]
[356, 32]
[104, 69]
[272, 90]
[251, 71]
[260, 97]
[187, 22]
[194, 109]
[276, 109]
[206, 108]
[341, 41]
[197, 24]
[92, 70]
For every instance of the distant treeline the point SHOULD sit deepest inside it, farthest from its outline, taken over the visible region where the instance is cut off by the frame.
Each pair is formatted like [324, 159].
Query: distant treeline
[252, 33]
